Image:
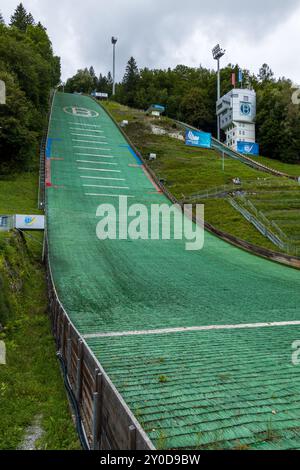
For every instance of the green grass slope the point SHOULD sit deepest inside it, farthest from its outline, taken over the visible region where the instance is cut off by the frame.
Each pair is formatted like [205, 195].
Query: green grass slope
[189, 171]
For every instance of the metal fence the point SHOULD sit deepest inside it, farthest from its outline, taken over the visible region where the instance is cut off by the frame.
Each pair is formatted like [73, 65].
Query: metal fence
[42, 174]
[6, 223]
[259, 225]
[218, 191]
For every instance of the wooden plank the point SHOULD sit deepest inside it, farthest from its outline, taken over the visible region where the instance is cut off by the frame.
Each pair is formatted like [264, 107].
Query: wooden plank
[97, 412]
[79, 371]
[132, 437]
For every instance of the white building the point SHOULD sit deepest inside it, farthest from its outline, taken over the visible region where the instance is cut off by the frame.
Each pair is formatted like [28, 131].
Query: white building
[237, 111]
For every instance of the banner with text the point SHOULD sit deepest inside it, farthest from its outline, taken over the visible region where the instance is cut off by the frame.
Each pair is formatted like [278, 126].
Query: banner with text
[198, 139]
[248, 148]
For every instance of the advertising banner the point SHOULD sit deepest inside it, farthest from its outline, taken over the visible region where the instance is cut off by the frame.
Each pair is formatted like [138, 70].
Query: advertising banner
[97, 94]
[198, 139]
[30, 222]
[248, 148]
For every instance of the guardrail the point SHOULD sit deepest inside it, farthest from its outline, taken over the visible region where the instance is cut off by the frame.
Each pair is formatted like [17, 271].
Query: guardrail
[215, 192]
[257, 224]
[42, 172]
[107, 421]
[280, 258]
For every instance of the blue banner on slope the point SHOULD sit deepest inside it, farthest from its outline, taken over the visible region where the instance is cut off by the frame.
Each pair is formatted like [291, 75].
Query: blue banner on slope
[248, 148]
[198, 139]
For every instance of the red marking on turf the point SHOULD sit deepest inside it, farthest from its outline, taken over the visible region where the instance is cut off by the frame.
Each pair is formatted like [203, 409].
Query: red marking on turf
[48, 173]
[151, 180]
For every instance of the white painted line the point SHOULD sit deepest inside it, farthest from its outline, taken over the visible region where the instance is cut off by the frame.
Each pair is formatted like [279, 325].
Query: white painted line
[107, 195]
[102, 178]
[89, 141]
[83, 124]
[88, 135]
[90, 148]
[85, 130]
[97, 169]
[242, 326]
[103, 186]
[94, 155]
[103, 163]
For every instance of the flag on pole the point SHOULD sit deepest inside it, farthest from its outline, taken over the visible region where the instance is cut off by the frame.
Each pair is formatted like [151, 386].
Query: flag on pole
[233, 79]
[240, 76]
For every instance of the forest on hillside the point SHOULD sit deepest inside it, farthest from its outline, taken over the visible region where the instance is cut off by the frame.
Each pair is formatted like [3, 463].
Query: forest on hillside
[189, 95]
[29, 70]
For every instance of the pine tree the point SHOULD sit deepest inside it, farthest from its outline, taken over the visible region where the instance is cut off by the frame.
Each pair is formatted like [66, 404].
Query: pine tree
[39, 25]
[92, 71]
[1, 19]
[132, 75]
[265, 74]
[131, 81]
[21, 19]
[109, 81]
[93, 75]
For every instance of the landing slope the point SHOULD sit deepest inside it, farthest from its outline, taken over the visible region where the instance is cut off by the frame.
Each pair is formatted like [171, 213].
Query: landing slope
[121, 286]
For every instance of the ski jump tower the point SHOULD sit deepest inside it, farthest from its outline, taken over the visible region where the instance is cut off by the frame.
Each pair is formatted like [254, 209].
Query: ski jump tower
[237, 113]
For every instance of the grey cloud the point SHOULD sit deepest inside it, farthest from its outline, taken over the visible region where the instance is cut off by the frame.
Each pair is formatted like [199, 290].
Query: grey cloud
[150, 30]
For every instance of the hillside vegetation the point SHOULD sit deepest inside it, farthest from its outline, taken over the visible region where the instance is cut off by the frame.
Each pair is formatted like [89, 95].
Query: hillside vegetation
[29, 69]
[30, 383]
[31, 386]
[191, 174]
[189, 95]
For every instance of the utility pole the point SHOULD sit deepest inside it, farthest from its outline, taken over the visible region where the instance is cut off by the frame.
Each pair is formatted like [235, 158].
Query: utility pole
[114, 42]
[217, 55]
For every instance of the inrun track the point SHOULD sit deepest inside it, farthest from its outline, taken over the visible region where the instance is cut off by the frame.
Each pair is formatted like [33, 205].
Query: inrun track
[214, 388]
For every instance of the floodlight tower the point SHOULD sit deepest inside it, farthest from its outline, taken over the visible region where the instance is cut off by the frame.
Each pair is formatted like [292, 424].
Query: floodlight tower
[217, 55]
[114, 42]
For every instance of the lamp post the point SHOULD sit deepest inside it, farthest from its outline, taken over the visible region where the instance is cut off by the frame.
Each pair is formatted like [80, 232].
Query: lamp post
[217, 55]
[114, 42]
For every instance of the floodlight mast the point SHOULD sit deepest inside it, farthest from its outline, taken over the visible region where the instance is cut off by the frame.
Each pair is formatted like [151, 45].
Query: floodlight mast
[217, 55]
[114, 42]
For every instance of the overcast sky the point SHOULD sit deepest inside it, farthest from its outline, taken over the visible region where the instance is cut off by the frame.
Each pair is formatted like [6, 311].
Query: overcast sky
[164, 33]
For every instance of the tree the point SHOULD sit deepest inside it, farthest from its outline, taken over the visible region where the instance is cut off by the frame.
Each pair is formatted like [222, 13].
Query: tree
[265, 74]
[81, 82]
[38, 35]
[21, 19]
[29, 69]
[1, 19]
[131, 81]
[105, 83]
[195, 107]
[93, 75]
[17, 142]
[189, 95]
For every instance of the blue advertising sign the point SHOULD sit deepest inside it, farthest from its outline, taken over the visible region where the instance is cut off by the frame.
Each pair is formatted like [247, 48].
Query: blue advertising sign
[248, 148]
[159, 107]
[198, 139]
